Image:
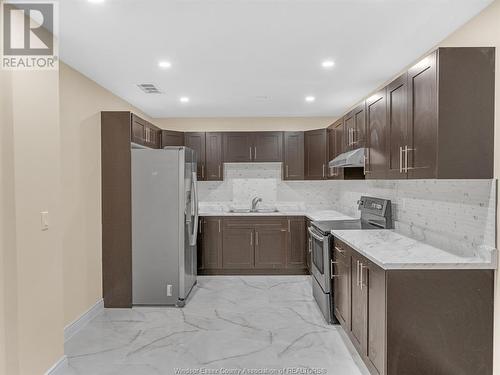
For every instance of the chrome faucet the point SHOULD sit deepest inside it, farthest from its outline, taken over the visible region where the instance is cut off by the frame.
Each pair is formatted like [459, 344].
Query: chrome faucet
[255, 202]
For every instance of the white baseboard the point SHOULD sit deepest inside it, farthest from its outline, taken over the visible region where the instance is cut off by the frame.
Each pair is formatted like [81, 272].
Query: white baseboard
[59, 366]
[86, 317]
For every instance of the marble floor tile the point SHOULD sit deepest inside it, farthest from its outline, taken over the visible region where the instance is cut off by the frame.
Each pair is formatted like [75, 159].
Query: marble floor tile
[229, 322]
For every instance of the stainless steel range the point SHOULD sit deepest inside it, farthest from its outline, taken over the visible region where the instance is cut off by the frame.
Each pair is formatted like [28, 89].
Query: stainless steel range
[375, 214]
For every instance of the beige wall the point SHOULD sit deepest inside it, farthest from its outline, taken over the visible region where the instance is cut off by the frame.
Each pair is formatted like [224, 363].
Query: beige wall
[81, 102]
[244, 123]
[32, 314]
[484, 30]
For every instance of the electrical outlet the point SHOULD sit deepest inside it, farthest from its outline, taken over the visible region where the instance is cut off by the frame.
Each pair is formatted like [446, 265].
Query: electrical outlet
[169, 290]
[44, 217]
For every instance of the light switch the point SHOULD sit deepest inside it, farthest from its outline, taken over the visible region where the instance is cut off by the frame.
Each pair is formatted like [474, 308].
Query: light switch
[44, 215]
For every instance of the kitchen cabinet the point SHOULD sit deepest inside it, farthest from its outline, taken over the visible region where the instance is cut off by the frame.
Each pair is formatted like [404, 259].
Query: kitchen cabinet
[210, 251]
[417, 302]
[293, 156]
[252, 147]
[335, 148]
[172, 138]
[267, 146]
[238, 147]
[271, 245]
[309, 246]
[243, 245]
[196, 141]
[144, 133]
[397, 126]
[316, 154]
[355, 127]
[342, 284]
[213, 157]
[296, 246]
[238, 244]
[376, 128]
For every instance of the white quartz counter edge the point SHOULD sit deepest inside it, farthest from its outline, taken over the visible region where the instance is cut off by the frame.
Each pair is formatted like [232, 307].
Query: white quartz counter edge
[392, 251]
[311, 215]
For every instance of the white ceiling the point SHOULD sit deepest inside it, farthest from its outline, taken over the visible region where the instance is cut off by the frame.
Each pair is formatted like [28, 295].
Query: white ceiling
[252, 58]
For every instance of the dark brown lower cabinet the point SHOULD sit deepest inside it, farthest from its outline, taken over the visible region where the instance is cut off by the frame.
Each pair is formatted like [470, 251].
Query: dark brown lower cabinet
[309, 246]
[414, 322]
[252, 245]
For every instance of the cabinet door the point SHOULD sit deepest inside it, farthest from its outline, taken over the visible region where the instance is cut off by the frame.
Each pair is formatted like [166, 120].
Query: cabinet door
[374, 284]
[316, 154]
[342, 283]
[237, 245]
[296, 247]
[211, 243]
[172, 138]
[213, 157]
[196, 141]
[359, 135]
[309, 246]
[138, 130]
[397, 125]
[156, 138]
[267, 146]
[422, 119]
[238, 147]
[376, 158]
[293, 156]
[270, 246]
[336, 147]
[349, 130]
[358, 304]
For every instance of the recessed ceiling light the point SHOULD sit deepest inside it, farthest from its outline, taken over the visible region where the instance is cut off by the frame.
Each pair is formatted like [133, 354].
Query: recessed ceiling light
[310, 99]
[164, 64]
[328, 64]
[184, 99]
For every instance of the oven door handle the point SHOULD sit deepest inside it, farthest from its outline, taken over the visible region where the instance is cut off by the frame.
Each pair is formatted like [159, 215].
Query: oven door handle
[315, 236]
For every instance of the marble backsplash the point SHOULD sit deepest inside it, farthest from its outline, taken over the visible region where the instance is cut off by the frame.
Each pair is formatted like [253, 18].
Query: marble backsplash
[455, 215]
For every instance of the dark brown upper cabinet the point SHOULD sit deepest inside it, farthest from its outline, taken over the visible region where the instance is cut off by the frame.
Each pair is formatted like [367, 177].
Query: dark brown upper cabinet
[238, 147]
[196, 141]
[355, 127]
[397, 126]
[144, 133]
[253, 147]
[267, 146]
[213, 157]
[376, 126]
[172, 138]
[335, 148]
[293, 156]
[316, 154]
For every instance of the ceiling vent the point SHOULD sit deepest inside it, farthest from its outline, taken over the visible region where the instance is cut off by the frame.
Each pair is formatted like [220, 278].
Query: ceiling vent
[149, 88]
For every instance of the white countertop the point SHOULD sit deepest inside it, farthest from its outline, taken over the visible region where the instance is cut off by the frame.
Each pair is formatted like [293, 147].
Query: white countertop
[313, 215]
[391, 250]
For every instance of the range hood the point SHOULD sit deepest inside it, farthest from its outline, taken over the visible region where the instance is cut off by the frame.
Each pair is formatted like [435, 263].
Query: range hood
[353, 158]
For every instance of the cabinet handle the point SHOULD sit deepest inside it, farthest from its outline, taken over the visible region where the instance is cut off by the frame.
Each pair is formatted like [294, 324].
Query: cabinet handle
[219, 225]
[256, 238]
[400, 159]
[250, 153]
[364, 165]
[361, 275]
[288, 225]
[203, 171]
[251, 239]
[255, 152]
[286, 168]
[219, 171]
[310, 245]
[357, 272]
[200, 228]
[323, 171]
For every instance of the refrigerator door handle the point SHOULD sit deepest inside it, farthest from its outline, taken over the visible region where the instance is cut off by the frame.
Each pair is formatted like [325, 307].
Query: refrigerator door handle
[194, 208]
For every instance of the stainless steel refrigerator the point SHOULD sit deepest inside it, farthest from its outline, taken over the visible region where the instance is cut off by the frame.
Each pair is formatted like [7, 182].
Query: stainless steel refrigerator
[164, 225]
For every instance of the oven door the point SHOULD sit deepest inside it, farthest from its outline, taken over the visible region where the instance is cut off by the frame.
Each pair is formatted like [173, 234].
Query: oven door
[320, 258]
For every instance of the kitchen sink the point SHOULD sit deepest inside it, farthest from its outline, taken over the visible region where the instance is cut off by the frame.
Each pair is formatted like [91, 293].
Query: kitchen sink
[258, 211]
